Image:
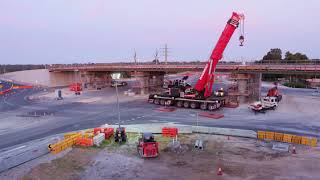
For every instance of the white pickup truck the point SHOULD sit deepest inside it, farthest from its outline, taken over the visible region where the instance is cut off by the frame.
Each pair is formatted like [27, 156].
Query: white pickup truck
[264, 104]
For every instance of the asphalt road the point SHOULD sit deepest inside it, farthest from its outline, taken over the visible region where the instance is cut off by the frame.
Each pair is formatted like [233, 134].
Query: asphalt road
[92, 109]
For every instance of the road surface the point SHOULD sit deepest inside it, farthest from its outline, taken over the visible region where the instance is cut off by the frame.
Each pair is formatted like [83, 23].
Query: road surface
[23, 120]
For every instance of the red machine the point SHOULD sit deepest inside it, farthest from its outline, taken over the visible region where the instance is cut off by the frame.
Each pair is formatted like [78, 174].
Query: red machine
[184, 95]
[147, 146]
[274, 92]
[206, 79]
[76, 87]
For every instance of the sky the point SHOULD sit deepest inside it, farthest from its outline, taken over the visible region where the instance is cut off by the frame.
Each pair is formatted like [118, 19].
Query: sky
[101, 31]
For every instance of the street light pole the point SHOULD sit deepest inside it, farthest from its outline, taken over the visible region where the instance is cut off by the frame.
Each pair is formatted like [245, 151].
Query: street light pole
[118, 104]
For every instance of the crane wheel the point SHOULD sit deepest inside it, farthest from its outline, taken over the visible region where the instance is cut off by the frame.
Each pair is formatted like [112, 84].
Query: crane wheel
[156, 101]
[179, 104]
[203, 106]
[162, 102]
[193, 105]
[212, 107]
[168, 102]
[186, 104]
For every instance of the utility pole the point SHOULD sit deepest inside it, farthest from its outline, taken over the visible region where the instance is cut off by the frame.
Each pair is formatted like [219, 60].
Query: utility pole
[165, 53]
[156, 57]
[118, 104]
[135, 57]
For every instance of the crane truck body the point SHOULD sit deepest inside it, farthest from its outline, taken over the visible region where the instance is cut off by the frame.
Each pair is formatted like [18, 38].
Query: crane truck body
[200, 96]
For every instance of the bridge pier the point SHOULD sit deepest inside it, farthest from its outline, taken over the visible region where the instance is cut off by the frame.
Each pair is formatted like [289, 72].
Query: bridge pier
[246, 87]
[95, 79]
[148, 81]
[60, 79]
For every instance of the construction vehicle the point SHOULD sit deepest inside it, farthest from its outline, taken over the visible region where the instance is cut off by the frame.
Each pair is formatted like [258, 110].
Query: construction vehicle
[118, 83]
[274, 92]
[266, 103]
[120, 135]
[76, 87]
[147, 146]
[182, 94]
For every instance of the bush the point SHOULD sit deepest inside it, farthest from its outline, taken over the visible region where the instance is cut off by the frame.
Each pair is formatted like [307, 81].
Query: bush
[295, 84]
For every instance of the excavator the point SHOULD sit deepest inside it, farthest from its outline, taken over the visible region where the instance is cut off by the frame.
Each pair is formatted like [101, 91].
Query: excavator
[200, 96]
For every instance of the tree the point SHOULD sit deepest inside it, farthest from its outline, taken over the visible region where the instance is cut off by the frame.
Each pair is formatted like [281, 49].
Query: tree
[297, 57]
[273, 54]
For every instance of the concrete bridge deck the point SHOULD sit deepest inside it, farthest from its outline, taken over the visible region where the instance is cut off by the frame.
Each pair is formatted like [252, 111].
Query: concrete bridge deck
[240, 68]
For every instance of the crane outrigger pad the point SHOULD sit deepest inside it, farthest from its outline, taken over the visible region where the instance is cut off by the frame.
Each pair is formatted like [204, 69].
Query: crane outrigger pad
[166, 109]
[211, 115]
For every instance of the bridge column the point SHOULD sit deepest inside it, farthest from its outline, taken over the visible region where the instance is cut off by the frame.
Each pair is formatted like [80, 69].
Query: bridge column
[247, 87]
[96, 79]
[148, 81]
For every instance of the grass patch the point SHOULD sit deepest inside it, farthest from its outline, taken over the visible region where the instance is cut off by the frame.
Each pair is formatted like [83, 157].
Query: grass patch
[295, 84]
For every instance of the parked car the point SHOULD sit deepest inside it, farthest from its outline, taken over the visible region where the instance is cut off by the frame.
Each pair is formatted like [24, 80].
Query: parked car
[118, 83]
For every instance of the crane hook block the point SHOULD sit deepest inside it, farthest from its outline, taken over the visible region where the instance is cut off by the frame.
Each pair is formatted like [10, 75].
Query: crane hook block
[241, 39]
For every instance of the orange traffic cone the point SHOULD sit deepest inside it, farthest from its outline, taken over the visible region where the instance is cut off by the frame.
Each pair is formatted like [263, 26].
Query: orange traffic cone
[294, 150]
[219, 172]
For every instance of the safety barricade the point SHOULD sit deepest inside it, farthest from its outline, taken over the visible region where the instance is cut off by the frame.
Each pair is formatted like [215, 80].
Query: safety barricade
[88, 135]
[261, 135]
[97, 140]
[68, 135]
[296, 139]
[64, 144]
[288, 138]
[97, 131]
[86, 142]
[278, 136]
[169, 132]
[108, 132]
[269, 135]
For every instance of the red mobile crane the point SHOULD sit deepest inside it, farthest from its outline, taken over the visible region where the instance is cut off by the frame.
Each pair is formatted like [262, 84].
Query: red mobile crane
[183, 95]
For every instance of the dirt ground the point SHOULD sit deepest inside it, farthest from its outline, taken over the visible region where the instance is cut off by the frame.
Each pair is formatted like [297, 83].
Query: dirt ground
[239, 158]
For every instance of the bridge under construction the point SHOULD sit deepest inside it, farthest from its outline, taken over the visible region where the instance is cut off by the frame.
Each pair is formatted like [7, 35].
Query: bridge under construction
[245, 77]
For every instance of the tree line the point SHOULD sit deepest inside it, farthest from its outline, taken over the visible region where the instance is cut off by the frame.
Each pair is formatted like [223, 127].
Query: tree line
[5, 68]
[275, 56]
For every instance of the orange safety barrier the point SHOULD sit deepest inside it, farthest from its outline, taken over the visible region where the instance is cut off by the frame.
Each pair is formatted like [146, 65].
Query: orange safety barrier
[87, 142]
[261, 134]
[97, 130]
[270, 135]
[287, 138]
[169, 132]
[278, 136]
[296, 139]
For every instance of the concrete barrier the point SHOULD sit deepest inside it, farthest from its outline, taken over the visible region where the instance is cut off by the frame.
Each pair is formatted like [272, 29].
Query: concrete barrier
[225, 131]
[155, 128]
[186, 129]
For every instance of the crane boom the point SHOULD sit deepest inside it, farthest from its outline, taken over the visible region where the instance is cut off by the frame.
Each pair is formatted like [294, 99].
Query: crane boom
[206, 79]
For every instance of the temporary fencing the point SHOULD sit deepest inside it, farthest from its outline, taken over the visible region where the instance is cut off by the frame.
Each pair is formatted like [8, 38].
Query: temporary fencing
[169, 132]
[288, 138]
[64, 144]
[97, 140]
